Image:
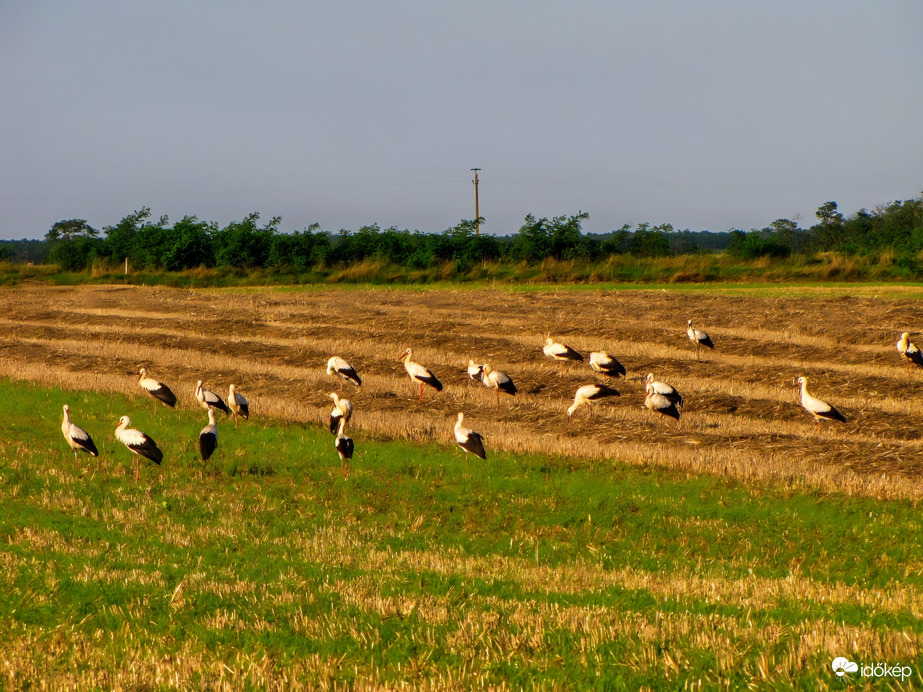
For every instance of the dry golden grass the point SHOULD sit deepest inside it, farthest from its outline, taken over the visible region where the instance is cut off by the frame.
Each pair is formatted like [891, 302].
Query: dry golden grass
[482, 630]
[741, 418]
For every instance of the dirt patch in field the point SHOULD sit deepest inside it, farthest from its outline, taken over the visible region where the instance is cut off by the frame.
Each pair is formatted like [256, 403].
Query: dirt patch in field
[741, 416]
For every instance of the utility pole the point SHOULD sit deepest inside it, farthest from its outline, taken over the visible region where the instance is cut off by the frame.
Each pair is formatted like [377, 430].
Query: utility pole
[477, 211]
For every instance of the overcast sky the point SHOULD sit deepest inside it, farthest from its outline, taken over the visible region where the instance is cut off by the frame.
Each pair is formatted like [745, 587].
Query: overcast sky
[702, 114]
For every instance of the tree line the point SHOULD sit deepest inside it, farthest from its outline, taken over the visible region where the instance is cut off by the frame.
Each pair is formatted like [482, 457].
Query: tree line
[158, 244]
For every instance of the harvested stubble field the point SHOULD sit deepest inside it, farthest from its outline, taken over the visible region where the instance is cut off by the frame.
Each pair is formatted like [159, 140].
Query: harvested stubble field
[742, 416]
[736, 548]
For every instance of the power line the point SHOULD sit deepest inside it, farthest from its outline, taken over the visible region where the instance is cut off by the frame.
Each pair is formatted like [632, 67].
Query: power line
[202, 193]
[369, 186]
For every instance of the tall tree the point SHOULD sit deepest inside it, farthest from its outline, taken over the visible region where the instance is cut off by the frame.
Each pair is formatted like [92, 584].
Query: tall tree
[828, 233]
[71, 228]
[74, 244]
[787, 232]
[243, 244]
[123, 239]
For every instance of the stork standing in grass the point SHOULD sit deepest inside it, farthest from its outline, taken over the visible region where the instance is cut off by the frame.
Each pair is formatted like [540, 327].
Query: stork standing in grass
[603, 363]
[78, 438]
[344, 371]
[208, 399]
[589, 394]
[156, 389]
[138, 444]
[344, 446]
[818, 408]
[420, 374]
[560, 352]
[663, 389]
[659, 403]
[208, 438]
[469, 440]
[498, 380]
[699, 338]
[912, 355]
[342, 411]
[238, 404]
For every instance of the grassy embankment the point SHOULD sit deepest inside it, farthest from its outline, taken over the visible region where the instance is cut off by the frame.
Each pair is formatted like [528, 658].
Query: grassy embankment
[682, 269]
[265, 568]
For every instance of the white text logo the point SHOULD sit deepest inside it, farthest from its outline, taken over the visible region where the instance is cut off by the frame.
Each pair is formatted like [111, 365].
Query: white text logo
[843, 666]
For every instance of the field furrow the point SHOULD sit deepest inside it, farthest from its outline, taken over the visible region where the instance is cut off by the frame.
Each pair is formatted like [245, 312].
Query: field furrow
[741, 411]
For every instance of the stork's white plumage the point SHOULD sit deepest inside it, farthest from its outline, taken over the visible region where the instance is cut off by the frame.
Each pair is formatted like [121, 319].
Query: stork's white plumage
[156, 389]
[475, 371]
[699, 338]
[818, 408]
[559, 351]
[344, 371]
[238, 404]
[208, 399]
[344, 446]
[602, 362]
[664, 390]
[78, 438]
[208, 438]
[498, 380]
[419, 374]
[469, 440]
[590, 394]
[342, 411]
[659, 403]
[912, 355]
[138, 443]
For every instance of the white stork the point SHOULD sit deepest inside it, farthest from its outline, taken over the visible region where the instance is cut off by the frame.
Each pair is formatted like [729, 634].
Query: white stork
[78, 438]
[602, 362]
[237, 402]
[344, 371]
[911, 353]
[498, 380]
[659, 403]
[208, 438]
[156, 389]
[821, 410]
[419, 374]
[475, 371]
[342, 411]
[664, 390]
[344, 446]
[138, 444]
[559, 352]
[589, 394]
[699, 338]
[208, 399]
[469, 440]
